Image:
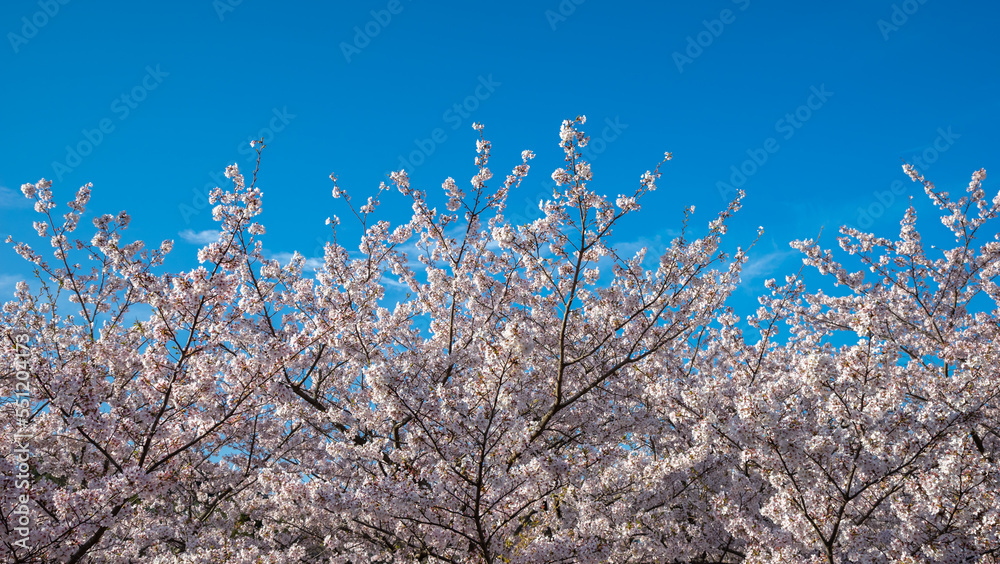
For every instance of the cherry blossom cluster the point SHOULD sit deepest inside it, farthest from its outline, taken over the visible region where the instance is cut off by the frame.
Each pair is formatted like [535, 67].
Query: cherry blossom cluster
[459, 388]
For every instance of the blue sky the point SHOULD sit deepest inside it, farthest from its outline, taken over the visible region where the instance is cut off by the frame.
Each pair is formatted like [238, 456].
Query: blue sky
[809, 107]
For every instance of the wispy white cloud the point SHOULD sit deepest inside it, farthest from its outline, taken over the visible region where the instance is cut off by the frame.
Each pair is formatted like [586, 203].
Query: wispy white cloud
[765, 265]
[13, 199]
[655, 245]
[200, 237]
[311, 264]
[8, 282]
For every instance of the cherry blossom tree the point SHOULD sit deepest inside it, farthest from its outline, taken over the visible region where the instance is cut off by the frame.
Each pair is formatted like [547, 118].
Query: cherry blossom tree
[460, 388]
[883, 449]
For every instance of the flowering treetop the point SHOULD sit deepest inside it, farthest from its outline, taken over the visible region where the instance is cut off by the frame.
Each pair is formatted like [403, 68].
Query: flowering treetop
[515, 406]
